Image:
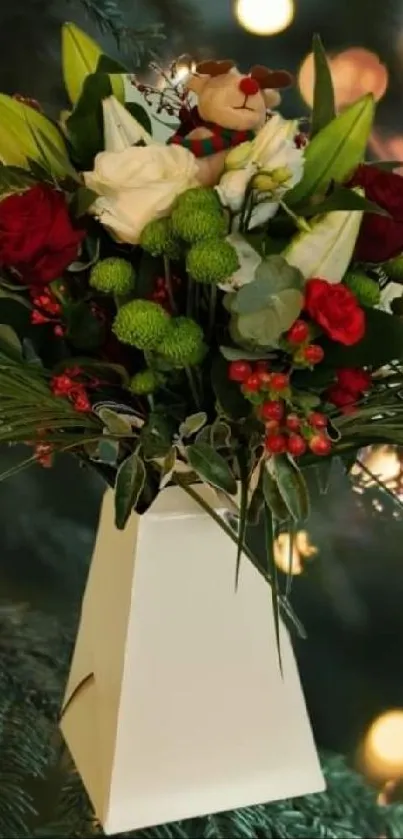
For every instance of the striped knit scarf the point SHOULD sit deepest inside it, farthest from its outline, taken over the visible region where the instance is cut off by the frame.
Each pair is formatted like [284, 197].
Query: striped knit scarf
[221, 139]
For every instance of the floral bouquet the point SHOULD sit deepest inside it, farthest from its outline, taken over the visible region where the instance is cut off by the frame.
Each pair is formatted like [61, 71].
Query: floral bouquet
[209, 307]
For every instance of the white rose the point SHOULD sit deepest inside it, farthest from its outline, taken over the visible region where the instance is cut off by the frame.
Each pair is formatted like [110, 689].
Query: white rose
[137, 185]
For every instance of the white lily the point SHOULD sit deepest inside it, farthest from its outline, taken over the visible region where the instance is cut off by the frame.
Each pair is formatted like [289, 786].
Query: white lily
[233, 185]
[121, 130]
[327, 249]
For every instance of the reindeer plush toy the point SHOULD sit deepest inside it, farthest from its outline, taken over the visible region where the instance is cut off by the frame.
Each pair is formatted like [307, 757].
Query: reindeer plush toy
[231, 108]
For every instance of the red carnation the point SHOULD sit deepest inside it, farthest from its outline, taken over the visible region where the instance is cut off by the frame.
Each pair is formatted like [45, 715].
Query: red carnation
[380, 237]
[354, 381]
[335, 308]
[340, 398]
[37, 237]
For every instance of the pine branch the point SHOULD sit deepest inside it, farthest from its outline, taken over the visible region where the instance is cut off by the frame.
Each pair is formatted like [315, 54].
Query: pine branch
[137, 44]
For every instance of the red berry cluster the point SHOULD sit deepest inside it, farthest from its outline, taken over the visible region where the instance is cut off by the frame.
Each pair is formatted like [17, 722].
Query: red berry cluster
[68, 385]
[287, 429]
[161, 294]
[304, 353]
[350, 386]
[43, 453]
[47, 310]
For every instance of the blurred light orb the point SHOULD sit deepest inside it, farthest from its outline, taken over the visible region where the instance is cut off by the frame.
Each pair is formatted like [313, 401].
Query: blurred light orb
[355, 72]
[264, 17]
[383, 746]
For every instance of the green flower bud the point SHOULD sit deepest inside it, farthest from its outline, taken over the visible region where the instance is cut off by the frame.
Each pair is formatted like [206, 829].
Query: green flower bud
[158, 239]
[182, 344]
[212, 261]
[145, 382]
[113, 276]
[394, 268]
[201, 197]
[366, 289]
[142, 324]
[193, 224]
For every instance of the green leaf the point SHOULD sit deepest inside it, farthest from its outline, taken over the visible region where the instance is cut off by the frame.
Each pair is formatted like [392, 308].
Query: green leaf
[115, 423]
[53, 158]
[20, 128]
[273, 276]
[256, 505]
[108, 452]
[211, 467]
[80, 57]
[382, 343]
[307, 401]
[264, 327]
[14, 179]
[324, 109]
[228, 394]
[237, 354]
[335, 151]
[10, 339]
[243, 515]
[141, 115]
[192, 424]
[292, 487]
[272, 571]
[130, 482]
[106, 64]
[272, 496]
[85, 125]
[156, 436]
[341, 198]
[168, 467]
[84, 330]
[82, 200]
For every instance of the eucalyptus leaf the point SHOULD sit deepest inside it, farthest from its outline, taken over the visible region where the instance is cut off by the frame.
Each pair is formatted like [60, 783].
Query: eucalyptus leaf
[238, 354]
[272, 277]
[324, 108]
[211, 467]
[272, 496]
[192, 424]
[130, 482]
[115, 423]
[168, 467]
[264, 326]
[292, 487]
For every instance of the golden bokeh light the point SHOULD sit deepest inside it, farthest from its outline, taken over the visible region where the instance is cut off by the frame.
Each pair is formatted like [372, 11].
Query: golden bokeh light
[382, 752]
[355, 71]
[264, 17]
[290, 556]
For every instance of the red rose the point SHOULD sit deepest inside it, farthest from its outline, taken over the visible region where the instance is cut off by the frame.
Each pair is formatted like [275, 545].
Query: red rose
[380, 237]
[37, 237]
[341, 398]
[353, 381]
[335, 308]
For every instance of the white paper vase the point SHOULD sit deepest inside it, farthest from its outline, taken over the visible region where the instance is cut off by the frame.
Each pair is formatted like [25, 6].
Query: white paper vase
[175, 705]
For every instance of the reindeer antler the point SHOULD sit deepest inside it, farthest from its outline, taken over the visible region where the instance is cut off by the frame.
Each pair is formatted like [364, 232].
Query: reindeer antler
[214, 68]
[270, 78]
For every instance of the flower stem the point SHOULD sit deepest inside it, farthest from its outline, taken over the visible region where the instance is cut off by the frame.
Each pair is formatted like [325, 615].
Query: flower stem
[168, 283]
[300, 222]
[190, 297]
[192, 385]
[212, 308]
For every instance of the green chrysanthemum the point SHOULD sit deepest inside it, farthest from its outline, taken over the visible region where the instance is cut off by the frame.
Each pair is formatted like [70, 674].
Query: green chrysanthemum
[194, 224]
[183, 344]
[113, 276]
[199, 197]
[366, 290]
[212, 262]
[158, 239]
[394, 268]
[142, 324]
[145, 382]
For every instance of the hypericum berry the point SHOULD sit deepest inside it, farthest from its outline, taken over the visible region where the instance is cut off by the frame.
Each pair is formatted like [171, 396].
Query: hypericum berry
[313, 354]
[272, 411]
[262, 367]
[276, 443]
[59, 331]
[293, 422]
[298, 333]
[37, 318]
[62, 385]
[272, 427]
[265, 379]
[296, 445]
[317, 420]
[239, 371]
[320, 445]
[253, 382]
[82, 403]
[279, 381]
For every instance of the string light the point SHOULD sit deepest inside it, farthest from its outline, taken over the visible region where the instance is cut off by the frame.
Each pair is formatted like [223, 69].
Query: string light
[290, 556]
[383, 747]
[355, 71]
[264, 17]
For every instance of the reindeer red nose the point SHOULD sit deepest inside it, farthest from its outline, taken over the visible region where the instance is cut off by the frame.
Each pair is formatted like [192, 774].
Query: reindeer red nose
[249, 86]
